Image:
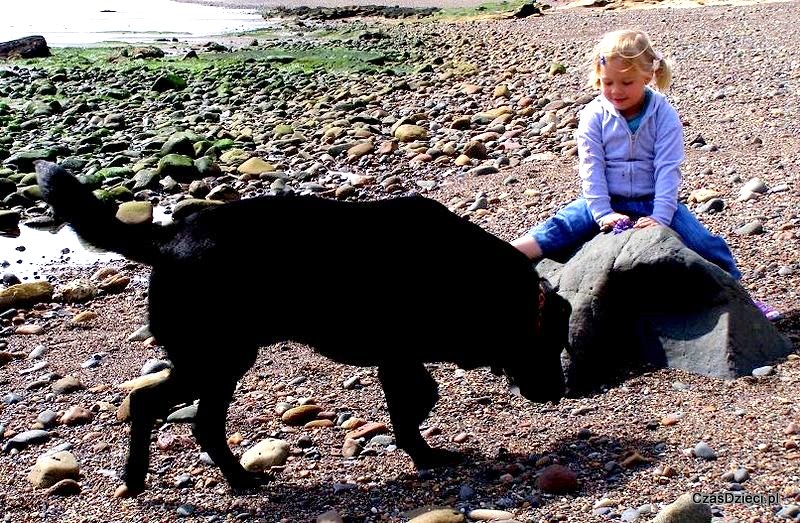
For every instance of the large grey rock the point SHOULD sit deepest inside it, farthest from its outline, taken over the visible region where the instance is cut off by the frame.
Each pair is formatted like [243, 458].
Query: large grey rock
[642, 297]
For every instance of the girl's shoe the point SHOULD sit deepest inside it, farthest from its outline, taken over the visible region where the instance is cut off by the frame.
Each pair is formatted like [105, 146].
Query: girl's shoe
[771, 313]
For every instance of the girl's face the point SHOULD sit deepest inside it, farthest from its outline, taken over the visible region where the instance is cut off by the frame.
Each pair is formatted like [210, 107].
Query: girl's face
[623, 86]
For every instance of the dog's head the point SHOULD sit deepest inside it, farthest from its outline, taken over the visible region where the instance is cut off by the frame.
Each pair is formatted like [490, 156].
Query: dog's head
[538, 376]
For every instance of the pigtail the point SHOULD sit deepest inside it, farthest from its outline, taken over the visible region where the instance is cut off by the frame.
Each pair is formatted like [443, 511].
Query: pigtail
[662, 72]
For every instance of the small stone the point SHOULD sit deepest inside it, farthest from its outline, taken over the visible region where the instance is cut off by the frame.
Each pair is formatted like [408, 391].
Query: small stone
[750, 229]
[684, 510]
[301, 414]
[557, 479]
[330, 516]
[792, 428]
[352, 382]
[84, 317]
[367, 430]
[153, 366]
[435, 515]
[461, 437]
[51, 468]
[29, 330]
[766, 370]
[183, 415]
[633, 460]
[65, 487]
[351, 448]
[484, 514]
[24, 439]
[76, 415]
[741, 475]
[38, 352]
[465, 492]
[67, 384]
[265, 455]
[702, 450]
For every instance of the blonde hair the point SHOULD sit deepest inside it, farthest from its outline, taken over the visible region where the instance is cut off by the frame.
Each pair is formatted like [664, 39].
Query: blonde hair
[634, 48]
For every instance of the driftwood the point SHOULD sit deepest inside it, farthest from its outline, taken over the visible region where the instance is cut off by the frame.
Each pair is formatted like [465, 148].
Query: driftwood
[27, 47]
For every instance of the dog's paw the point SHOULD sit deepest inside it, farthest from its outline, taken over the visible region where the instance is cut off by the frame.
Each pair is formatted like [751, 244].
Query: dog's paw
[249, 480]
[435, 458]
[128, 491]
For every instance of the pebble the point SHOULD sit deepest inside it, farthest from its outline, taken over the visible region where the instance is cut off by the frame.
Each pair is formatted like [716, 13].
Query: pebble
[435, 515]
[788, 512]
[766, 370]
[751, 228]
[76, 415]
[152, 366]
[38, 352]
[47, 418]
[65, 487]
[352, 382]
[183, 415]
[703, 450]
[141, 334]
[465, 492]
[684, 510]
[367, 430]
[93, 361]
[483, 514]
[52, 467]
[67, 384]
[11, 398]
[300, 414]
[557, 479]
[331, 516]
[266, 454]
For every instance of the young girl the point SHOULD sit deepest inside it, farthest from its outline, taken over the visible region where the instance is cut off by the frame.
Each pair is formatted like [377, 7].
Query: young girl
[630, 147]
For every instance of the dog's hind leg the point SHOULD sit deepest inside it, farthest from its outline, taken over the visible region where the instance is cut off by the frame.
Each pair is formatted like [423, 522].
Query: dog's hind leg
[147, 404]
[411, 393]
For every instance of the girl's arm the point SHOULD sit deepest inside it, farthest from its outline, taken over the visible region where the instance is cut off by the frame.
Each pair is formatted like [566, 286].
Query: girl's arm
[668, 158]
[592, 164]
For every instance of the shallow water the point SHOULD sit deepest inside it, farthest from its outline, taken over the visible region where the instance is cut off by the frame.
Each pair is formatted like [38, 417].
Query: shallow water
[86, 22]
[29, 252]
[28, 255]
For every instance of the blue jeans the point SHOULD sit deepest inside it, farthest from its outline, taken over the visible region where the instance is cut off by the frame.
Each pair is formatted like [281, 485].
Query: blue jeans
[573, 225]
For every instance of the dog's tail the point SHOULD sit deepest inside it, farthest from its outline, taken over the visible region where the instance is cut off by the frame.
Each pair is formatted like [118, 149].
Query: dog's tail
[94, 221]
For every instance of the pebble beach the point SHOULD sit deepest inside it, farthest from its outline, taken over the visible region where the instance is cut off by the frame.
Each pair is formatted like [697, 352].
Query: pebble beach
[476, 112]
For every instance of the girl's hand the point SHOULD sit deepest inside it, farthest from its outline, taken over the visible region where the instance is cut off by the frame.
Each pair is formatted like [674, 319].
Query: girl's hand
[607, 222]
[644, 221]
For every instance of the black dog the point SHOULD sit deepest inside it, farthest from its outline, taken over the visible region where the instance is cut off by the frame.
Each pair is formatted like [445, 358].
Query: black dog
[426, 284]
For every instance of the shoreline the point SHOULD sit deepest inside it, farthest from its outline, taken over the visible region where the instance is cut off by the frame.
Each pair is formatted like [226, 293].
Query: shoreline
[260, 4]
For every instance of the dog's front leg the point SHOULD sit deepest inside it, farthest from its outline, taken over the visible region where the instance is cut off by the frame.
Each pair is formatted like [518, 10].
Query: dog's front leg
[411, 393]
[147, 404]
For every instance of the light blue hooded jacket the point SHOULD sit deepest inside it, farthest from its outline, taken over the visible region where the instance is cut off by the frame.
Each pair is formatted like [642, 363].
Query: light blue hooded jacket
[614, 161]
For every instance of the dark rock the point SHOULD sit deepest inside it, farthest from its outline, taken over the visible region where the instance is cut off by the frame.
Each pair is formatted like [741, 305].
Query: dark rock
[526, 10]
[27, 47]
[24, 439]
[643, 298]
[557, 479]
[168, 82]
